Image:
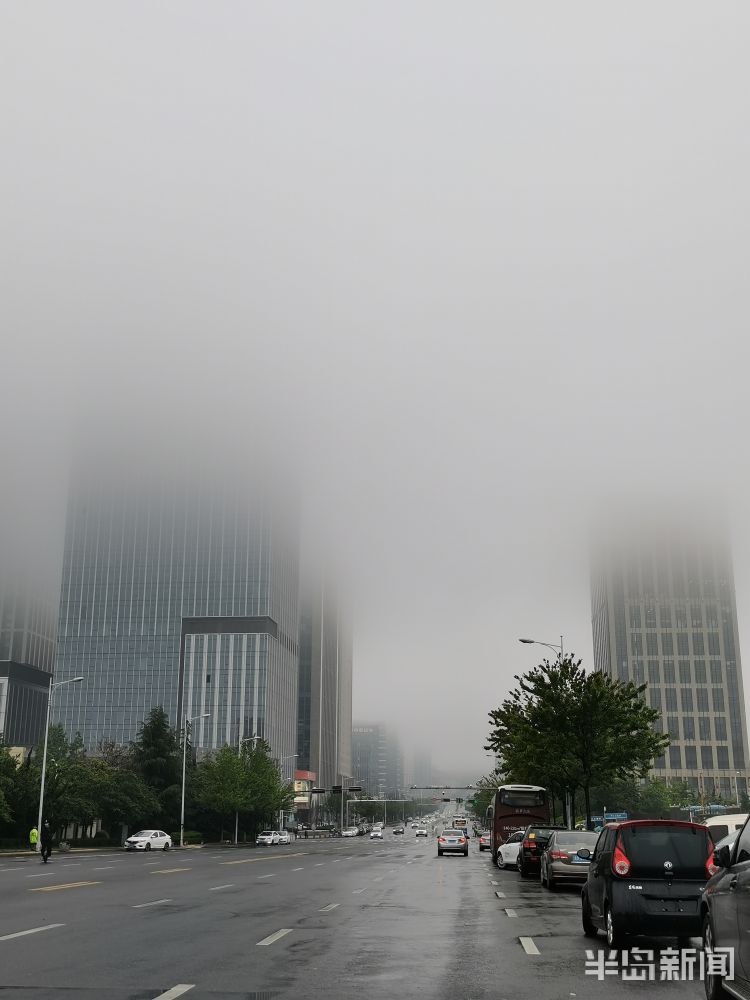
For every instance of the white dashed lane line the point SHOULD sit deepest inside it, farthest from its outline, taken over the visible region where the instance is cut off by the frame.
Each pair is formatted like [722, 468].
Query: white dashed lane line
[355, 891]
[273, 938]
[272, 875]
[32, 930]
[510, 912]
[500, 895]
[154, 902]
[528, 946]
[298, 869]
[176, 991]
[215, 888]
[327, 909]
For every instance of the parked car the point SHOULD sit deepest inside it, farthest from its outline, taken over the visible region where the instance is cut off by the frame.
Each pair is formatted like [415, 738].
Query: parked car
[507, 853]
[350, 831]
[268, 838]
[533, 844]
[149, 840]
[561, 862]
[452, 842]
[284, 837]
[725, 912]
[646, 876]
[376, 834]
[421, 832]
[485, 841]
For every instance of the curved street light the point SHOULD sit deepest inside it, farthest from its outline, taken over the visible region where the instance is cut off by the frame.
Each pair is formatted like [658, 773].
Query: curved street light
[53, 685]
[550, 645]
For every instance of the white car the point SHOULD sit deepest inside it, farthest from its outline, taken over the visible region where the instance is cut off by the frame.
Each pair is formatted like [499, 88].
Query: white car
[269, 838]
[376, 834]
[415, 826]
[284, 837]
[149, 840]
[507, 853]
[350, 831]
[421, 832]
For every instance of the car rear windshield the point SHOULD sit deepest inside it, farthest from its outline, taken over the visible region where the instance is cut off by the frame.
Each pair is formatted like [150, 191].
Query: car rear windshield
[453, 833]
[574, 841]
[539, 833]
[652, 849]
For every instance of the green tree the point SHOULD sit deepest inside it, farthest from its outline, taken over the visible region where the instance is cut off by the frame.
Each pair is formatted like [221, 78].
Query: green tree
[564, 728]
[157, 758]
[223, 783]
[8, 778]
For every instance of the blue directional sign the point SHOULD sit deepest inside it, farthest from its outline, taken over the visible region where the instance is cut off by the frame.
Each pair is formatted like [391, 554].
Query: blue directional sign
[610, 817]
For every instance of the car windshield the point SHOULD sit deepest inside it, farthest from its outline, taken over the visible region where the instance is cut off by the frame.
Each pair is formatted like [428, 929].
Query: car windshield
[268, 833]
[575, 840]
[144, 833]
[680, 850]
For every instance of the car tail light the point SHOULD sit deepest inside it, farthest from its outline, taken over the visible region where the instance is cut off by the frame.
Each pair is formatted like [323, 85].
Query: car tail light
[441, 840]
[711, 868]
[558, 855]
[462, 840]
[620, 861]
[528, 844]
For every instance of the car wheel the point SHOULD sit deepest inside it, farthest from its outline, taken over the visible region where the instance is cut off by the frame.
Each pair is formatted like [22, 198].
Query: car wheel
[440, 854]
[466, 853]
[541, 875]
[500, 860]
[147, 847]
[713, 983]
[615, 937]
[589, 928]
[551, 884]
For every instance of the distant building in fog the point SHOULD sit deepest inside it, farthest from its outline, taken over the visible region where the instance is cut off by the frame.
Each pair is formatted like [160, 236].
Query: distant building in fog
[664, 613]
[180, 593]
[324, 720]
[377, 760]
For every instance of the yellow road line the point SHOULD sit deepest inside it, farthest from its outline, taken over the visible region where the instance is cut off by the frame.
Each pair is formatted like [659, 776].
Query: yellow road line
[266, 857]
[69, 885]
[168, 871]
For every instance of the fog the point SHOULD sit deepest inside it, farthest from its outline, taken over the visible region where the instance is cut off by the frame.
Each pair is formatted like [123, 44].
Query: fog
[467, 272]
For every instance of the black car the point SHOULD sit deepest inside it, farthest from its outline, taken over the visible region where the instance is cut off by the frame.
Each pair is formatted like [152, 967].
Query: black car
[646, 877]
[399, 829]
[532, 847]
[725, 911]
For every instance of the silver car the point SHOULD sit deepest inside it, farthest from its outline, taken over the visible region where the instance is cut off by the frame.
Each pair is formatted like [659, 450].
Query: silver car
[452, 842]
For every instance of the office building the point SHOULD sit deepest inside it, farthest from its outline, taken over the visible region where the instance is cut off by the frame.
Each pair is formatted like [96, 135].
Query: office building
[377, 760]
[324, 721]
[664, 614]
[180, 592]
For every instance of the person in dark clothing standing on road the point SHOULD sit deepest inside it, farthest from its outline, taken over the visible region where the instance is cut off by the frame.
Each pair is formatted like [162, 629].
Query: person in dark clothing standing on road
[46, 841]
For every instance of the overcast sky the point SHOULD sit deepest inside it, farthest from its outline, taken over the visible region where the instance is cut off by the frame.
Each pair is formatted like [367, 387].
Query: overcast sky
[473, 268]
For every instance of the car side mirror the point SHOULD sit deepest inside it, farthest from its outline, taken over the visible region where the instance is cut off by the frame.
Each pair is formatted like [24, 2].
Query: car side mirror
[722, 857]
[584, 853]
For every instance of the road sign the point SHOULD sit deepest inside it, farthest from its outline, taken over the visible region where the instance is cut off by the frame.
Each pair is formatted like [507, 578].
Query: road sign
[611, 817]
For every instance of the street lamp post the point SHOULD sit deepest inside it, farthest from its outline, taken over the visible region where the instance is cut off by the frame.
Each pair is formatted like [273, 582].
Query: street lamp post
[247, 739]
[53, 685]
[184, 761]
[292, 756]
[550, 645]
[344, 777]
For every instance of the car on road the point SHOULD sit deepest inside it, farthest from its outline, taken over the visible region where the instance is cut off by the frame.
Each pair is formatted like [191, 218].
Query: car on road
[268, 838]
[533, 844]
[452, 842]
[350, 831]
[284, 837]
[421, 832]
[485, 843]
[415, 826]
[725, 913]
[561, 862]
[149, 840]
[376, 834]
[646, 876]
[507, 853]
[399, 830]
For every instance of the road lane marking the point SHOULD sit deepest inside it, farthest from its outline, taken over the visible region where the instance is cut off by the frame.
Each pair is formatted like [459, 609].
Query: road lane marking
[272, 875]
[32, 930]
[327, 909]
[214, 888]
[176, 991]
[493, 882]
[528, 946]
[500, 895]
[378, 879]
[107, 868]
[73, 864]
[170, 871]
[298, 869]
[69, 885]
[41, 875]
[319, 864]
[510, 912]
[355, 891]
[267, 857]
[272, 938]
[154, 902]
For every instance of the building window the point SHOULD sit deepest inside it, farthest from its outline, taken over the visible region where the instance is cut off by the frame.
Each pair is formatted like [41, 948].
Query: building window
[691, 758]
[688, 727]
[707, 757]
[667, 644]
[704, 727]
[686, 699]
[714, 649]
[654, 674]
[698, 649]
[651, 617]
[675, 758]
[701, 695]
[700, 671]
[696, 616]
[670, 699]
[654, 697]
[680, 616]
[673, 727]
[635, 616]
[720, 727]
[652, 644]
[722, 758]
[684, 666]
[636, 644]
[712, 616]
[669, 671]
[718, 699]
[665, 616]
[683, 646]
[659, 763]
[716, 677]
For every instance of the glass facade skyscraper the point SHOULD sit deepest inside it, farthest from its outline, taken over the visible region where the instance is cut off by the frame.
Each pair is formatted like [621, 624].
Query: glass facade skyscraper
[183, 596]
[664, 614]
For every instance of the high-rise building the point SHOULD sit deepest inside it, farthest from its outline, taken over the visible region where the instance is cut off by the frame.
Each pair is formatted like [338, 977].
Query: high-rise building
[28, 620]
[664, 613]
[377, 760]
[324, 721]
[181, 593]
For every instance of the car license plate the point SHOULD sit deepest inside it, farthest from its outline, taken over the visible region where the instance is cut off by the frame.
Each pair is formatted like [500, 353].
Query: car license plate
[580, 861]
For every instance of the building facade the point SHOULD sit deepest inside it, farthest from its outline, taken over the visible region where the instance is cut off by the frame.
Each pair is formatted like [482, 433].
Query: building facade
[324, 720]
[28, 622]
[664, 614]
[377, 760]
[182, 594]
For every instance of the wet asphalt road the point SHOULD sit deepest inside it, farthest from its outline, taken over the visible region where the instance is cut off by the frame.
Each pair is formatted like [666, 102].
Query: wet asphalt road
[334, 919]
